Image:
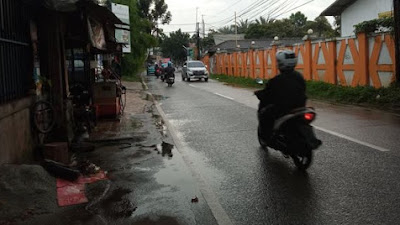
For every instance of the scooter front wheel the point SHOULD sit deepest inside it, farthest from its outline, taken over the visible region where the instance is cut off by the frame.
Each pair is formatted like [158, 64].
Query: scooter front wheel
[304, 161]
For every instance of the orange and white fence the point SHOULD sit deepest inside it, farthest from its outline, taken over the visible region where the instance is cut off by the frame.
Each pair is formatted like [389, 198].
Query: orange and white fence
[362, 60]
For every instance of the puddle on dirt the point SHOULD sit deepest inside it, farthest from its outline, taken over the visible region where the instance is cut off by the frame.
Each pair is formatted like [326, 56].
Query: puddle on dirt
[159, 97]
[162, 220]
[115, 206]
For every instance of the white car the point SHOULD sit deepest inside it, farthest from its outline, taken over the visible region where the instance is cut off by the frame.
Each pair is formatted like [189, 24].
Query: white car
[194, 70]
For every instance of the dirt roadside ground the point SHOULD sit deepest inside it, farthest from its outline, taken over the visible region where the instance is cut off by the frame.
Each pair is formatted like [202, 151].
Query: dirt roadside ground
[148, 181]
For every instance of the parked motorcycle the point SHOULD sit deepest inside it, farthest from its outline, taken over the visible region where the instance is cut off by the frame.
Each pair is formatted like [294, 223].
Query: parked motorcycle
[293, 135]
[158, 72]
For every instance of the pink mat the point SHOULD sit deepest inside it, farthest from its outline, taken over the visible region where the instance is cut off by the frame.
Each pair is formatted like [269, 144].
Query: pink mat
[73, 193]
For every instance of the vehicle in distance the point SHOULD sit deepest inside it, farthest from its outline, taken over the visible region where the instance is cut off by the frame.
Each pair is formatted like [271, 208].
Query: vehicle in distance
[194, 70]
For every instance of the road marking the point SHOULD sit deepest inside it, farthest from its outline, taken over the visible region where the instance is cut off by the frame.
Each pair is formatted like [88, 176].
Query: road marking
[191, 85]
[224, 96]
[352, 139]
[216, 208]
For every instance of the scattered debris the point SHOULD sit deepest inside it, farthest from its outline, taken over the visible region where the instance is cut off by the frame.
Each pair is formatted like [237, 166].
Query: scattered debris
[73, 193]
[82, 147]
[60, 170]
[88, 168]
[167, 149]
[195, 199]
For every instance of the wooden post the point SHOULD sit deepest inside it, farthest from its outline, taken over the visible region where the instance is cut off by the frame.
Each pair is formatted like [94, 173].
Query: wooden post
[363, 51]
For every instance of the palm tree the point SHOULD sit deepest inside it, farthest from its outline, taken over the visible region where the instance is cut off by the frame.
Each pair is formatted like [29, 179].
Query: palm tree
[261, 21]
[242, 26]
[226, 30]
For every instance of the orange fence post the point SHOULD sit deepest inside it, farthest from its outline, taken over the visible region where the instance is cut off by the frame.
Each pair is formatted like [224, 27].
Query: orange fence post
[252, 63]
[363, 52]
[274, 66]
[331, 62]
[307, 60]
[236, 64]
[229, 56]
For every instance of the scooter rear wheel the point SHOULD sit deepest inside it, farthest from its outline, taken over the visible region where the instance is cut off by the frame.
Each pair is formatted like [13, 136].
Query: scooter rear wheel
[262, 142]
[304, 161]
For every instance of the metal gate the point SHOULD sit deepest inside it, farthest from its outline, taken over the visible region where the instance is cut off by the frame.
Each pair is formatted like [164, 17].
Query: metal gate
[15, 51]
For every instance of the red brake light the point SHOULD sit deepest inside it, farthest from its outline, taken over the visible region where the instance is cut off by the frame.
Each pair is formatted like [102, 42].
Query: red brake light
[309, 116]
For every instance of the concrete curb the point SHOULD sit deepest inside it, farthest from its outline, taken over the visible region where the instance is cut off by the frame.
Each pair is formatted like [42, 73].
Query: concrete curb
[216, 208]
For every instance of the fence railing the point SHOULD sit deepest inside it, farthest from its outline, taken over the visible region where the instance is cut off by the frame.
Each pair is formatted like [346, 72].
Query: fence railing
[15, 51]
[362, 60]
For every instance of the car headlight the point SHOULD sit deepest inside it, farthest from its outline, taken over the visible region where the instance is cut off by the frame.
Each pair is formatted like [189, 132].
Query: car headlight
[190, 72]
[206, 72]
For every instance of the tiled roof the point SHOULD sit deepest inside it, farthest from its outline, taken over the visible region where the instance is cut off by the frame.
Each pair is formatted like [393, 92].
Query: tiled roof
[246, 44]
[337, 7]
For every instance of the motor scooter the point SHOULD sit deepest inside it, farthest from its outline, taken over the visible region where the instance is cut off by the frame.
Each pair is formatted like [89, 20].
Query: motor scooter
[170, 80]
[292, 135]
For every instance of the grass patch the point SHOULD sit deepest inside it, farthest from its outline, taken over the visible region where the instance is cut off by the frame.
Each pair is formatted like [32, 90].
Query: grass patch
[236, 81]
[383, 98]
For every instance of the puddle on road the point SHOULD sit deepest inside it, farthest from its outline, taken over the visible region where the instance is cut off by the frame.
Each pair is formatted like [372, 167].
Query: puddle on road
[162, 220]
[115, 206]
[175, 173]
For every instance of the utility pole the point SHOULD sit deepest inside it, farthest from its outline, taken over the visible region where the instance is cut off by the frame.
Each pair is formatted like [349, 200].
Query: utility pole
[198, 41]
[396, 8]
[204, 26]
[236, 31]
[198, 35]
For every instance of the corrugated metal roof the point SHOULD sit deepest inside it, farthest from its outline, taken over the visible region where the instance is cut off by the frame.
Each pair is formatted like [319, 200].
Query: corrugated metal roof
[336, 8]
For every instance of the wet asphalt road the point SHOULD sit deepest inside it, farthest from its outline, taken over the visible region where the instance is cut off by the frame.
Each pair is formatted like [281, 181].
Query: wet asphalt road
[354, 179]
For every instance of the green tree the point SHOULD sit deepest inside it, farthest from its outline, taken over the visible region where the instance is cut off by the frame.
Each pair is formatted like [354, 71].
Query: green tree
[242, 26]
[281, 28]
[337, 25]
[298, 19]
[156, 11]
[262, 20]
[321, 27]
[171, 47]
[226, 30]
[141, 39]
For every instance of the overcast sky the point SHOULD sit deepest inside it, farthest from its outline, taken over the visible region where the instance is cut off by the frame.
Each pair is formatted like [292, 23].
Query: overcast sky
[219, 13]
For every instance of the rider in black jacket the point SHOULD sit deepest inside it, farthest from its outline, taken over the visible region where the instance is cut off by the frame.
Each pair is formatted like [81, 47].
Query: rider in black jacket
[169, 70]
[283, 93]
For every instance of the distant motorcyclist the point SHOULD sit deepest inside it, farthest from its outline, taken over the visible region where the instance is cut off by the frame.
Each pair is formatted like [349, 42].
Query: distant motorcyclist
[283, 93]
[169, 70]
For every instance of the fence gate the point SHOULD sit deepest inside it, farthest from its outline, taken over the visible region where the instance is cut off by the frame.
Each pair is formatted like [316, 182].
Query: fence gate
[15, 51]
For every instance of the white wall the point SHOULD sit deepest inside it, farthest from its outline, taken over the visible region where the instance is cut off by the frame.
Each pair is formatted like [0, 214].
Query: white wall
[362, 10]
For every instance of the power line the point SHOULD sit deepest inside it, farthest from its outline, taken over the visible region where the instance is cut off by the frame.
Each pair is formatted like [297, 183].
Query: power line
[295, 7]
[231, 18]
[226, 8]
